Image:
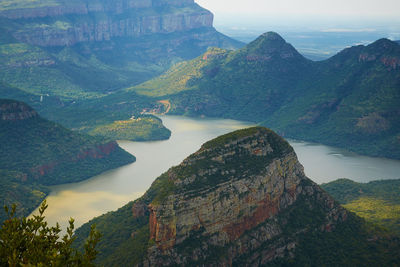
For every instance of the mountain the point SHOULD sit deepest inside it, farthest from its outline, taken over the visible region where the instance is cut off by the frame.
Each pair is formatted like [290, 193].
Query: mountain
[350, 100]
[36, 152]
[90, 48]
[242, 199]
[377, 201]
[56, 53]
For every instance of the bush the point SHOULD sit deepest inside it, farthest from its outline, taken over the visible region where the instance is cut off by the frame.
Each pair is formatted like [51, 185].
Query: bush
[31, 242]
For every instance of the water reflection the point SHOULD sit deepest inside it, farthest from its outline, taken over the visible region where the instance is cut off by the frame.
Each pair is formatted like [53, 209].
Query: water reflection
[323, 164]
[114, 188]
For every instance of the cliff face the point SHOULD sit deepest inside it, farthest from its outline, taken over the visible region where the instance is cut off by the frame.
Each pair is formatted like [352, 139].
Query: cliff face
[15, 111]
[241, 200]
[231, 198]
[59, 23]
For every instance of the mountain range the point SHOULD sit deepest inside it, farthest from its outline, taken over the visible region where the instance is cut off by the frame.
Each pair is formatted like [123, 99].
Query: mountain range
[242, 199]
[56, 54]
[36, 153]
[351, 100]
[82, 49]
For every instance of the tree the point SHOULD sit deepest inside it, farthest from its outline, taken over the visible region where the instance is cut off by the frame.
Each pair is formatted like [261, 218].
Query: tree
[31, 242]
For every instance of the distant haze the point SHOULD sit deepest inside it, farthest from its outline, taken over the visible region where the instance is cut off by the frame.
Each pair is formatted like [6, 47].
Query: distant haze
[364, 8]
[308, 15]
[317, 28]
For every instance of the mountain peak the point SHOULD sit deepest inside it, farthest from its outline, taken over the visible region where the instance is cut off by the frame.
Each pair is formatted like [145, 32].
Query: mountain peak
[271, 44]
[272, 36]
[234, 199]
[268, 39]
[383, 43]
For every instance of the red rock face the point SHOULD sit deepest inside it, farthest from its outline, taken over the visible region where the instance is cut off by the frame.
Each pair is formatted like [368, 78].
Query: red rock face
[43, 169]
[163, 234]
[153, 223]
[366, 58]
[265, 210]
[98, 152]
[392, 62]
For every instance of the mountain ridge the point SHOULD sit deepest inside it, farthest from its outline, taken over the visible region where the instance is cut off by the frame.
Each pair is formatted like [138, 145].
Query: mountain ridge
[59, 55]
[36, 153]
[349, 100]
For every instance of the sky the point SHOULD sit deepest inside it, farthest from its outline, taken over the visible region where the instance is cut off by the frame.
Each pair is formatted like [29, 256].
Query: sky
[331, 8]
[338, 23]
[311, 15]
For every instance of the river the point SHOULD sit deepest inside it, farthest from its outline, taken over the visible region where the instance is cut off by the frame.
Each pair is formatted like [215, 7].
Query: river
[112, 189]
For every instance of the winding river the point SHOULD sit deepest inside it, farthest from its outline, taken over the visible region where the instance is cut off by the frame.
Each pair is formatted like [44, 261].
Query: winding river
[111, 190]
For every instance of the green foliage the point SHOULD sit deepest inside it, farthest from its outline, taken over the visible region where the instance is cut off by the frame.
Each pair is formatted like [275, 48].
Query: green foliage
[143, 128]
[26, 196]
[31, 242]
[378, 211]
[344, 101]
[351, 244]
[51, 154]
[117, 247]
[36, 152]
[179, 77]
[377, 201]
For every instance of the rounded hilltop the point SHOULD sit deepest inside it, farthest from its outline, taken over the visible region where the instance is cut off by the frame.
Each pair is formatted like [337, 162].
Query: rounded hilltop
[273, 138]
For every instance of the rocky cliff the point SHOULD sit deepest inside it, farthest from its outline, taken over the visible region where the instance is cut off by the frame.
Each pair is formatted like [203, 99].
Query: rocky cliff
[241, 200]
[231, 194]
[60, 23]
[84, 49]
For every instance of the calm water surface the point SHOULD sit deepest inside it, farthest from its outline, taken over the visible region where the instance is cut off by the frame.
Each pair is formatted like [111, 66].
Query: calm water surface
[114, 188]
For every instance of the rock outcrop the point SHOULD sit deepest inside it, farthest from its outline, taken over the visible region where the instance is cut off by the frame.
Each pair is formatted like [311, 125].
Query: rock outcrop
[241, 200]
[68, 23]
[232, 199]
[15, 111]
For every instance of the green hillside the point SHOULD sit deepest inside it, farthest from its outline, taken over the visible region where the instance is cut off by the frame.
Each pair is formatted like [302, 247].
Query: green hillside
[65, 57]
[37, 152]
[350, 100]
[145, 128]
[15, 190]
[377, 202]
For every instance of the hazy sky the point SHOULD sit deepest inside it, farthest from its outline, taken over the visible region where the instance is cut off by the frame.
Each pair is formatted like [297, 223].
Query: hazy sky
[358, 8]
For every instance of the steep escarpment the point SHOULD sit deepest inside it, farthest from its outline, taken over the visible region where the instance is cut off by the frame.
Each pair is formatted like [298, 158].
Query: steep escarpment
[47, 153]
[59, 23]
[63, 55]
[242, 199]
